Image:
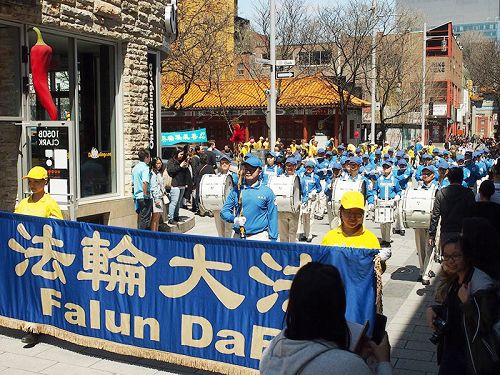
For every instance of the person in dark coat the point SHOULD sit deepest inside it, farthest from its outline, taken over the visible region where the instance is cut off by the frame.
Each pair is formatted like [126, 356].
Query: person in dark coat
[452, 204]
[485, 208]
[177, 168]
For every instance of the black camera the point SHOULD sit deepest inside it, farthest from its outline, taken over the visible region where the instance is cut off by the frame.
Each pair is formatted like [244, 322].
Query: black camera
[440, 325]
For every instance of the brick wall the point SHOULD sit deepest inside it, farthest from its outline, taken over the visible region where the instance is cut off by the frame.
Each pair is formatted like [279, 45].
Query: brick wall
[136, 25]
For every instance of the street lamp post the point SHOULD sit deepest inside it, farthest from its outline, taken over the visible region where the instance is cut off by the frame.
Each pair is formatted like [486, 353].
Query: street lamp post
[272, 89]
[374, 78]
[424, 54]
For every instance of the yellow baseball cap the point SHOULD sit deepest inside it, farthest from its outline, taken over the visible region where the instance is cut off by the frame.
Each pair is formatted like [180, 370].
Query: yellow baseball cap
[353, 199]
[37, 173]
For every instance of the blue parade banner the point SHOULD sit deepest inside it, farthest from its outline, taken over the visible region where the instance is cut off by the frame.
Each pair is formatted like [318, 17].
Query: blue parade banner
[191, 136]
[198, 301]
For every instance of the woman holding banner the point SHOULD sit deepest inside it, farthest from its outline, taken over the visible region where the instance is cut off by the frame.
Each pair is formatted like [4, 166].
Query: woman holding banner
[40, 204]
[317, 338]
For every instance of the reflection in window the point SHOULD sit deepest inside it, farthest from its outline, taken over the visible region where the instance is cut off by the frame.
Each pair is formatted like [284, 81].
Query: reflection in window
[96, 94]
[10, 72]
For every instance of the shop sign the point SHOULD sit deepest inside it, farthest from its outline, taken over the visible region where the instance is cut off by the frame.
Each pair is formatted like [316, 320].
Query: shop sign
[192, 136]
[152, 123]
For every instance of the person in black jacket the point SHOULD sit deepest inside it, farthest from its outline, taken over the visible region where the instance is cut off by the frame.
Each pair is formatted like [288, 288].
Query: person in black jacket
[177, 168]
[452, 205]
[485, 207]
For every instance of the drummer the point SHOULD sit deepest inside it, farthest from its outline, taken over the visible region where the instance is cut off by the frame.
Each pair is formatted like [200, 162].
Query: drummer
[354, 176]
[443, 181]
[224, 229]
[258, 214]
[271, 168]
[386, 188]
[403, 175]
[289, 221]
[422, 234]
[322, 170]
[310, 186]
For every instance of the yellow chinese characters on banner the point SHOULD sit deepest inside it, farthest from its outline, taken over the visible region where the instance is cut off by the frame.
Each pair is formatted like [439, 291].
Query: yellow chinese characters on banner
[200, 268]
[266, 303]
[46, 253]
[126, 272]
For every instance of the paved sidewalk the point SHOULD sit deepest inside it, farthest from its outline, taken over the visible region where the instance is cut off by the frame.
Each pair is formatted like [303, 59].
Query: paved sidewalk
[404, 300]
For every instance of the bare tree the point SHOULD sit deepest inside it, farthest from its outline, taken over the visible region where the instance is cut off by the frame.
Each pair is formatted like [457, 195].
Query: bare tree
[203, 52]
[346, 32]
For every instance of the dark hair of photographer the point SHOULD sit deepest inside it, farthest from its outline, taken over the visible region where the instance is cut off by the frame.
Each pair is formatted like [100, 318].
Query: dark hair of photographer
[463, 322]
[316, 338]
[316, 306]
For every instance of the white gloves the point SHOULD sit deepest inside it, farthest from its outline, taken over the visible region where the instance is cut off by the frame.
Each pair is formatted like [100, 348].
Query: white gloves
[240, 220]
[370, 207]
[312, 195]
[397, 198]
[385, 253]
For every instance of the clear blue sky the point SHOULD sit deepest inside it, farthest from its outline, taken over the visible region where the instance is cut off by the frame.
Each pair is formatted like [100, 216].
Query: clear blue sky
[245, 7]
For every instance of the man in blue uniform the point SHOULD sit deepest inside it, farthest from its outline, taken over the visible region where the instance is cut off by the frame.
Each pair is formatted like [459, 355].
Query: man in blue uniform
[403, 175]
[271, 168]
[322, 171]
[310, 186]
[257, 214]
[387, 188]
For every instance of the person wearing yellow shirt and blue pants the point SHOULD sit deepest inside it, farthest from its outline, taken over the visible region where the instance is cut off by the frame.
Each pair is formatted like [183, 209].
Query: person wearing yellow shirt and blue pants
[40, 204]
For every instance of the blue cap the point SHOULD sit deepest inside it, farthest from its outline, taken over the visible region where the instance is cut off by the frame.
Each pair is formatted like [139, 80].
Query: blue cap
[345, 153]
[291, 160]
[272, 153]
[358, 149]
[253, 161]
[446, 152]
[407, 157]
[321, 150]
[226, 157]
[340, 147]
[460, 157]
[378, 152]
[426, 156]
[356, 160]
[402, 162]
[336, 165]
[329, 153]
[435, 150]
[310, 163]
[298, 159]
[400, 153]
[387, 162]
[475, 154]
[391, 150]
[443, 165]
[365, 156]
[386, 156]
[430, 168]
[344, 160]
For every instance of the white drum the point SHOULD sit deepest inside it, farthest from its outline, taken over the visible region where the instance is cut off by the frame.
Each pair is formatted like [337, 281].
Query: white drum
[214, 190]
[287, 192]
[339, 187]
[384, 211]
[416, 208]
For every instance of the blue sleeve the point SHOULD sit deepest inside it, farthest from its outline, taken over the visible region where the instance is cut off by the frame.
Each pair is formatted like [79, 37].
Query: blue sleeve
[368, 192]
[226, 213]
[280, 171]
[317, 184]
[305, 192]
[397, 187]
[272, 217]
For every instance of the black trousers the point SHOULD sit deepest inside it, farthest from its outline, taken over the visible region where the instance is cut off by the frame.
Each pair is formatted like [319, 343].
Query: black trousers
[144, 213]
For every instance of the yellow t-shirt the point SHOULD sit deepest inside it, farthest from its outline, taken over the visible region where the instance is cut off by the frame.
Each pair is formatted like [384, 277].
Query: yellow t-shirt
[312, 150]
[45, 207]
[362, 239]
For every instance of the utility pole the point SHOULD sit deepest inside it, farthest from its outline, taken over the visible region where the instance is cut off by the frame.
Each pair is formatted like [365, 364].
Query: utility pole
[424, 55]
[272, 89]
[374, 78]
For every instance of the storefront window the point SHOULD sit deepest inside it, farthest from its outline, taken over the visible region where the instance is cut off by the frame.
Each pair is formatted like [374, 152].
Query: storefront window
[96, 98]
[58, 78]
[10, 71]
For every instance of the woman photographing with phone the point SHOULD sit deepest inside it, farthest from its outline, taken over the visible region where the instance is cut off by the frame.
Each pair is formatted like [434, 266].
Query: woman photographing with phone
[316, 339]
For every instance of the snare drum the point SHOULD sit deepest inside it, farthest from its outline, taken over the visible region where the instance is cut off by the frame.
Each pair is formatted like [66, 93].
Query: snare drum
[339, 187]
[287, 192]
[384, 211]
[417, 207]
[214, 190]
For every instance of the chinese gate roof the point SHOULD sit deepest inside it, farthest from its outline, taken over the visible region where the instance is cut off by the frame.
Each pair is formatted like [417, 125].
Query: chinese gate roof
[300, 92]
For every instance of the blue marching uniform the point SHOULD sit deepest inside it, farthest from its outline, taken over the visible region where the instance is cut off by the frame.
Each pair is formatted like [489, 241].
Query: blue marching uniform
[386, 188]
[268, 171]
[259, 208]
[309, 183]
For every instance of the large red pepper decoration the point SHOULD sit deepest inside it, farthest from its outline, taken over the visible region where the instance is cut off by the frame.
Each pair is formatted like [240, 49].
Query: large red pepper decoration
[40, 57]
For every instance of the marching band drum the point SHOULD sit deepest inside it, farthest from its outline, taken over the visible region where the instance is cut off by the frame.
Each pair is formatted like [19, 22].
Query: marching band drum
[339, 187]
[417, 207]
[287, 192]
[214, 190]
[384, 211]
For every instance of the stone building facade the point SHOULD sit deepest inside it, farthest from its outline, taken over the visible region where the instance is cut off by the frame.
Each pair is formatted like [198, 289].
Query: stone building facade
[104, 79]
